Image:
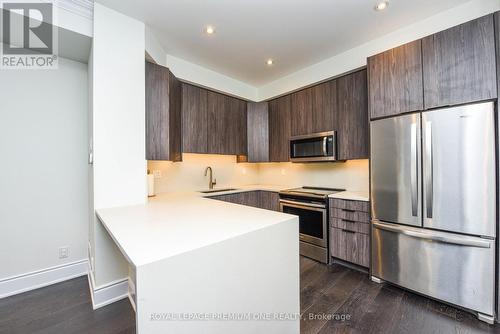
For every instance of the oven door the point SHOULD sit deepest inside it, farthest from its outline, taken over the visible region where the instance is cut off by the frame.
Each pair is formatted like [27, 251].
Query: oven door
[315, 147]
[312, 221]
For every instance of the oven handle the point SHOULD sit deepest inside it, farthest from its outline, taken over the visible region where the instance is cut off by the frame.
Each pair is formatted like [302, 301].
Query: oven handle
[309, 206]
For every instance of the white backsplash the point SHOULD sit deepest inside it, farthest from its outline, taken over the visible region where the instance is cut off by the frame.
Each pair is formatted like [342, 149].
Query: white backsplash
[189, 174]
[350, 175]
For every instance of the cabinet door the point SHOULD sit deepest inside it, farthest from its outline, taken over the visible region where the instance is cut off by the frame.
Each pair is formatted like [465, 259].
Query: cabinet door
[251, 198]
[352, 109]
[395, 81]
[236, 122]
[338, 243]
[279, 129]
[175, 119]
[357, 248]
[301, 112]
[226, 124]
[216, 122]
[269, 200]
[257, 132]
[194, 119]
[163, 114]
[459, 64]
[324, 107]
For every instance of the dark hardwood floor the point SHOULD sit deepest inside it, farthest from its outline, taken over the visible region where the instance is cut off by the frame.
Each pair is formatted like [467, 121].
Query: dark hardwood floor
[334, 299]
[372, 307]
[63, 308]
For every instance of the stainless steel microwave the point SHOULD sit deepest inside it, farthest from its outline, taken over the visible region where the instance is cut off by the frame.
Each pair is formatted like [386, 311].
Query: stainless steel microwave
[314, 147]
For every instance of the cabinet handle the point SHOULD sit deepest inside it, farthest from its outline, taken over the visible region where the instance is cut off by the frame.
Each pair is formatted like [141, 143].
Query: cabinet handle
[348, 231]
[348, 210]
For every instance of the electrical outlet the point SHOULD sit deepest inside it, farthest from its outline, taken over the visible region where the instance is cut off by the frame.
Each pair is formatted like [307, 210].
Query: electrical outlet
[63, 252]
[157, 173]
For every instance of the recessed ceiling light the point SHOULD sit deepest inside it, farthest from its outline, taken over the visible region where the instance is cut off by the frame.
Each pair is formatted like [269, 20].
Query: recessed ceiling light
[381, 5]
[210, 30]
[269, 62]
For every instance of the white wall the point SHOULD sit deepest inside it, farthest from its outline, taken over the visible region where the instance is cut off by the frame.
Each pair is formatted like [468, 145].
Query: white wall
[118, 128]
[189, 174]
[43, 183]
[153, 47]
[202, 76]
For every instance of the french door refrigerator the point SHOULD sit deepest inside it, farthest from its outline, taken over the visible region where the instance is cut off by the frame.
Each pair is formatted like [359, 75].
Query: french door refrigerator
[433, 195]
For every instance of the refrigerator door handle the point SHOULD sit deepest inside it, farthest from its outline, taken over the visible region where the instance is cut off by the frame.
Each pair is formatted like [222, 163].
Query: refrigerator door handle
[429, 197]
[414, 170]
[432, 237]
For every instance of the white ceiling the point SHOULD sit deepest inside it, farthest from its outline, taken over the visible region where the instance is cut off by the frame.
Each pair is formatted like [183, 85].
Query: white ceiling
[295, 33]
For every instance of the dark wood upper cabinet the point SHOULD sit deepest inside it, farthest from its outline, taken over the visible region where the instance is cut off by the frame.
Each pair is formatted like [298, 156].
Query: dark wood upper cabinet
[163, 114]
[216, 122]
[226, 124]
[314, 109]
[324, 107]
[301, 112]
[352, 110]
[237, 127]
[258, 131]
[194, 119]
[459, 64]
[395, 81]
[279, 129]
[212, 122]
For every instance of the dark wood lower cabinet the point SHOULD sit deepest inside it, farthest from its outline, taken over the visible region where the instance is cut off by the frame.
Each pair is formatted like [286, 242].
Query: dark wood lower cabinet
[269, 200]
[350, 231]
[350, 246]
[258, 198]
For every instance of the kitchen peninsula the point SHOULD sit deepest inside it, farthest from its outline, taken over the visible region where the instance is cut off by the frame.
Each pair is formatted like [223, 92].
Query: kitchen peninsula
[201, 258]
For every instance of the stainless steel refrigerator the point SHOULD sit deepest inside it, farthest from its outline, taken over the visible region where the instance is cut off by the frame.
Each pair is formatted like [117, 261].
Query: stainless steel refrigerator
[433, 195]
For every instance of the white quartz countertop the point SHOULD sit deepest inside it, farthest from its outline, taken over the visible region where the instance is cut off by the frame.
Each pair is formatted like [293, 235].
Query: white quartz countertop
[173, 223]
[352, 195]
[177, 222]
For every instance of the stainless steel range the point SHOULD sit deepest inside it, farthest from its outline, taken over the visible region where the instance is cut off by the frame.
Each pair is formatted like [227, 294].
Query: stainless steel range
[311, 205]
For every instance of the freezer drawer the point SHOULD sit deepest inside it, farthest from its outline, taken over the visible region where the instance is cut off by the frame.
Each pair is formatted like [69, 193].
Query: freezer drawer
[459, 169]
[453, 268]
[395, 170]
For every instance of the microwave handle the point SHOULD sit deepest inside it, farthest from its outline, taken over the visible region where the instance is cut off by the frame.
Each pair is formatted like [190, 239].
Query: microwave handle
[325, 151]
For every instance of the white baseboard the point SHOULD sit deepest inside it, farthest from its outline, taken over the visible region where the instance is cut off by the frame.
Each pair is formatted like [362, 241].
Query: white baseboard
[109, 293]
[37, 279]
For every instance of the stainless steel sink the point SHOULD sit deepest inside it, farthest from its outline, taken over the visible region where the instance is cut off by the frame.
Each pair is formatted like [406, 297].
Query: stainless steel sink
[216, 190]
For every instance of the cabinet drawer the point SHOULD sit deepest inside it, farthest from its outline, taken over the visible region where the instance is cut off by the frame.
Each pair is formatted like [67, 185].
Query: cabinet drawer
[350, 225]
[350, 246]
[350, 205]
[357, 216]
